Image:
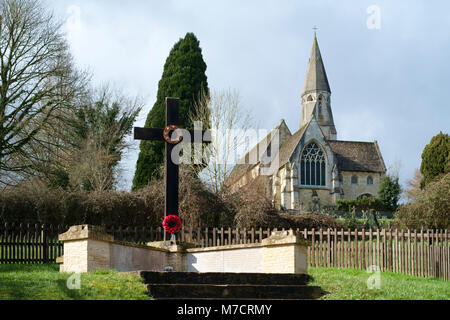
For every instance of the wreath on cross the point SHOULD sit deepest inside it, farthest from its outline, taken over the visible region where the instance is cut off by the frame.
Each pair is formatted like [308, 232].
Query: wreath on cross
[172, 224]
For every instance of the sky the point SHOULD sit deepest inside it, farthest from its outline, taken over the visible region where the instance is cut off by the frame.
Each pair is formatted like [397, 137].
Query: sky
[386, 61]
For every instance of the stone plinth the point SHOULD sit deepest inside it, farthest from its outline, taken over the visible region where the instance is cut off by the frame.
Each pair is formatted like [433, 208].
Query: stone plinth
[282, 252]
[85, 248]
[88, 248]
[285, 252]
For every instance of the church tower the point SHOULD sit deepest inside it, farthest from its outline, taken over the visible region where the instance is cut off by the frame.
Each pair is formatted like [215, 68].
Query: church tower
[316, 95]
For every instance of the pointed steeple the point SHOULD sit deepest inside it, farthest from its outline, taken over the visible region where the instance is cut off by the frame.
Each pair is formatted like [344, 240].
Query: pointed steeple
[316, 95]
[316, 77]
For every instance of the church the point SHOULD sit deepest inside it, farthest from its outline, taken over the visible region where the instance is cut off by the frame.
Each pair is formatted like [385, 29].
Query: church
[313, 169]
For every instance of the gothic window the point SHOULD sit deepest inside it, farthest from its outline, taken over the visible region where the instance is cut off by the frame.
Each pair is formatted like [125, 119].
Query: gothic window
[310, 98]
[369, 180]
[312, 167]
[269, 151]
[354, 180]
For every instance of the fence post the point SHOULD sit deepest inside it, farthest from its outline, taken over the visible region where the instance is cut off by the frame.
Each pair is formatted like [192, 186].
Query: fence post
[363, 257]
[446, 257]
[313, 248]
[342, 253]
[4, 244]
[336, 248]
[44, 244]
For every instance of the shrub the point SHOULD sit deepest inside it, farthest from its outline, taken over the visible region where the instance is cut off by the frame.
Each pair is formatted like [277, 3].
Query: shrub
[435, 158]
[35, 203]
[253, 210]
[364, 203]
[431, 208]
[249, 208]
[389, 192]
[309, 221]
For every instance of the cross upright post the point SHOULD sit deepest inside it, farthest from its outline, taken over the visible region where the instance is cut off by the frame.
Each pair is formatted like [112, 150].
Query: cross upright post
[171, 158]
[171, 169]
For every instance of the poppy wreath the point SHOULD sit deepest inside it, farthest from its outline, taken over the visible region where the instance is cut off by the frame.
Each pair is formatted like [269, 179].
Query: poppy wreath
[172, 224]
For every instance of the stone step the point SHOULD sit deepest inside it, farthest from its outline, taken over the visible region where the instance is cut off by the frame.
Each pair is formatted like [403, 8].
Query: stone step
[232, 291]
[223, 278]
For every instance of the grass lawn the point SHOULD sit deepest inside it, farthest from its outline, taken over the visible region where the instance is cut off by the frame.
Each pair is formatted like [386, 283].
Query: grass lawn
[350, 284]
[36, 282]
[44, 282]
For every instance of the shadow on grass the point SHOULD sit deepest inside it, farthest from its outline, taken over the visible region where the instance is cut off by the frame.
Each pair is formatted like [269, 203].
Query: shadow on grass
[317, 293]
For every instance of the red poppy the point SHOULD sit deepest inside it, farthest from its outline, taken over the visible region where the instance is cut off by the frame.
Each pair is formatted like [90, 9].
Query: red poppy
[172, 224]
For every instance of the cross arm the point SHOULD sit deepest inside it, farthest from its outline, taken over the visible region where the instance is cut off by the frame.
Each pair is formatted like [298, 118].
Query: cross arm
[148, 134]
[157, 134]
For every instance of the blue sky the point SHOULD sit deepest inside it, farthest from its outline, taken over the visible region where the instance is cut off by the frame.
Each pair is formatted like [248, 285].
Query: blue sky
[389, 84]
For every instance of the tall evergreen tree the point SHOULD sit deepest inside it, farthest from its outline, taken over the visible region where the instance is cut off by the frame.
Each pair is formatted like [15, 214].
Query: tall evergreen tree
[435, 158]
[183, 77]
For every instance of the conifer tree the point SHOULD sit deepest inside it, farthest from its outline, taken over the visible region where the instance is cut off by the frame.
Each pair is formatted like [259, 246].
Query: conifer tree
[435, 158]
[184, 78]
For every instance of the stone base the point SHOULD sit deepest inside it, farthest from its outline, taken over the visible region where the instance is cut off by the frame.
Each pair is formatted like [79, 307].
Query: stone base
[88, 248]
[172, 246]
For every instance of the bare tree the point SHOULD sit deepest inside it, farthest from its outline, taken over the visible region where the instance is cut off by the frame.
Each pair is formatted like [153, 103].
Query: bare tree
[37, 79]
[225, 115]
[413, 189]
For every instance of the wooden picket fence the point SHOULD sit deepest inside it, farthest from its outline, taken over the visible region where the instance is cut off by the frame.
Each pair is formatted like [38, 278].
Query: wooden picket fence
[419, 253]
[29, 243]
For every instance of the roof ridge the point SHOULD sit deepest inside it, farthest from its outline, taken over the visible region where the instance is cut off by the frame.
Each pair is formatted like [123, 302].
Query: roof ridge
[351, 141]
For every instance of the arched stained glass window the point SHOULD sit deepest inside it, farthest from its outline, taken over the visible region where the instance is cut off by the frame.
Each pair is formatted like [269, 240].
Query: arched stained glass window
[312, 168]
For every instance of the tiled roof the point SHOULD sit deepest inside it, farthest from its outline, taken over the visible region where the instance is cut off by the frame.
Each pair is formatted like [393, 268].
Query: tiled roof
[288, 147]
[357, 156]
[243, 164]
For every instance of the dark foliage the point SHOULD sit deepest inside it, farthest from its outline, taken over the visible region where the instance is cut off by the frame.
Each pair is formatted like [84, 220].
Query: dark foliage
[35, 203]
[183, 77]
[389, 193]
[435, 158]
[364, 203]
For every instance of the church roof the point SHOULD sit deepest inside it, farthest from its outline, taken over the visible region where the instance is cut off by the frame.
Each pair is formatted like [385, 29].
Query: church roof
[243, 165]
[316, 77]
[288, 147]
[357, 156]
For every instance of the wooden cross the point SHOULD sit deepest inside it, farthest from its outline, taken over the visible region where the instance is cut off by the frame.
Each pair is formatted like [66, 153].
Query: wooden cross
[315, 29]
[165, 134]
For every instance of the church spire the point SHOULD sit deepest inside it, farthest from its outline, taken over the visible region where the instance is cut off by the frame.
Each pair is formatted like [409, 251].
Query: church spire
[316, 77]
[316, 95]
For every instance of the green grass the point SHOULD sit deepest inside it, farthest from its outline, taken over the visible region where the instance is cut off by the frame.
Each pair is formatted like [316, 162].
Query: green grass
[350, 284]
[37, 282]
[44, 282]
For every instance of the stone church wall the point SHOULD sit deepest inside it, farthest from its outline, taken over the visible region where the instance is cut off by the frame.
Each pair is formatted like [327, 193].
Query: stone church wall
[354, 190]
[306, 198]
